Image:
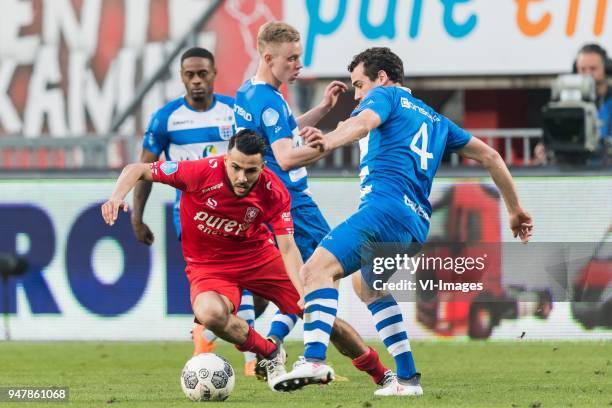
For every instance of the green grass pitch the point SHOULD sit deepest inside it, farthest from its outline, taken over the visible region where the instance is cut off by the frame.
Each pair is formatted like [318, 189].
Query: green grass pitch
[455, 374]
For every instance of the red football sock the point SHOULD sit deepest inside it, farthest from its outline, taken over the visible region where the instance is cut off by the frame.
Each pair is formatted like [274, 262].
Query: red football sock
[371, 364]
[257, 344]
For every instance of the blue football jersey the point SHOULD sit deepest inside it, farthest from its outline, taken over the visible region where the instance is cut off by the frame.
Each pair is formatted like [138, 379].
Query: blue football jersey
[401, 156]
[262, 108]
[183, 133]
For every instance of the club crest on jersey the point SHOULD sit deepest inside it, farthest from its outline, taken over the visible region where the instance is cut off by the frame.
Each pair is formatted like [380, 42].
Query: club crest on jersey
[251, 214]
[169, 167]
[225, 132]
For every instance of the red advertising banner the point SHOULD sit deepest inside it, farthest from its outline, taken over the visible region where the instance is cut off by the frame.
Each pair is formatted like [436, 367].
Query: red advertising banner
[67, 66]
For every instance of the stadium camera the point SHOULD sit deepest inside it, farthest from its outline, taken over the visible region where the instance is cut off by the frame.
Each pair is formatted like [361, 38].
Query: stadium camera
[570, 119]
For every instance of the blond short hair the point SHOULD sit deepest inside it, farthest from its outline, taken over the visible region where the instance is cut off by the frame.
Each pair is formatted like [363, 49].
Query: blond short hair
[275, 33]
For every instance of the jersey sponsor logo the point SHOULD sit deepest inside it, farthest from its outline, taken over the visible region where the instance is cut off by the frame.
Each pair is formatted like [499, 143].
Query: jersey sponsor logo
[211, 188]
[195, 151]
[270, 117]
[169, 167]
[209, 150]
[409, 105]
[240, 111]
[416, 208]
[182, 122]
[286, 216]
[251, 214]
[211, 224]
[211, 202]
[213, 163]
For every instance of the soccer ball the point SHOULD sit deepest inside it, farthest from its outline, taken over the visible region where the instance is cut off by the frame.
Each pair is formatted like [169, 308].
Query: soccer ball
[207, 377]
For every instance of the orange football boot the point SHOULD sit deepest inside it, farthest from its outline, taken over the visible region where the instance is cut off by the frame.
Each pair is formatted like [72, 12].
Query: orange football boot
[249, 368]
[200, 344]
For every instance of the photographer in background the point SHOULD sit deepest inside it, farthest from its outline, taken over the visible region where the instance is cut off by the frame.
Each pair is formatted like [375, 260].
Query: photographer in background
[593, 60]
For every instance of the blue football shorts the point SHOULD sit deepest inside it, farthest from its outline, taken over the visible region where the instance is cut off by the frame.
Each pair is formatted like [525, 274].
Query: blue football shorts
[369, 231]
[310, 228]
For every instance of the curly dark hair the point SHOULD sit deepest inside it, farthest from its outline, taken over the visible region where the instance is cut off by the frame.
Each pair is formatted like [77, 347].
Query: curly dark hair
[248, 142]
[379, 58]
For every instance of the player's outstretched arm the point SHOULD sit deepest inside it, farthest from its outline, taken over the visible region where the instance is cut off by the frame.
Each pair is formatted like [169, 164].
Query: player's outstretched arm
[520, 220]
[126, 181]
[330, 98]
[290, 157]
[292, 260]
[349, 131]
[141, 193]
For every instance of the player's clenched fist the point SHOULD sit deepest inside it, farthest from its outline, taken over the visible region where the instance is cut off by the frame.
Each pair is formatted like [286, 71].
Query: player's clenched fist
[313, 137]
[110, 210]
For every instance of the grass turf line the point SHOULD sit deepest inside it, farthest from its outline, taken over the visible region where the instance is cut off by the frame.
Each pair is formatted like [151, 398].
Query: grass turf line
[455, 374]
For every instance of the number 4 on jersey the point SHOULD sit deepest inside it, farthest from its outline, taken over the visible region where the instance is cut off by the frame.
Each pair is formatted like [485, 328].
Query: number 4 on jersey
[421, 151]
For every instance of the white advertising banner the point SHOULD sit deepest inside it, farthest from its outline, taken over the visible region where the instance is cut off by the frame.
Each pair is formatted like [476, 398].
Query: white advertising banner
[67, 67]
[88, 281]
[450, 37]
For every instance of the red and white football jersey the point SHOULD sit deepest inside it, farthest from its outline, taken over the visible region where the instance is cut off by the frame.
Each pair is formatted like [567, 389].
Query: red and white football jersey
[219, 228]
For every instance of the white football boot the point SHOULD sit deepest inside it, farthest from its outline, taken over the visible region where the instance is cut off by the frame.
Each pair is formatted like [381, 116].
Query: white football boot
[275, 367]
[392, 386]
[304, 373]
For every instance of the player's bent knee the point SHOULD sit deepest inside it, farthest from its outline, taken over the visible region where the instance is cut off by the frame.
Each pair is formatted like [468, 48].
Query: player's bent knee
[214, 318]
[313, 277]
[211, 311]
[321, 269]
